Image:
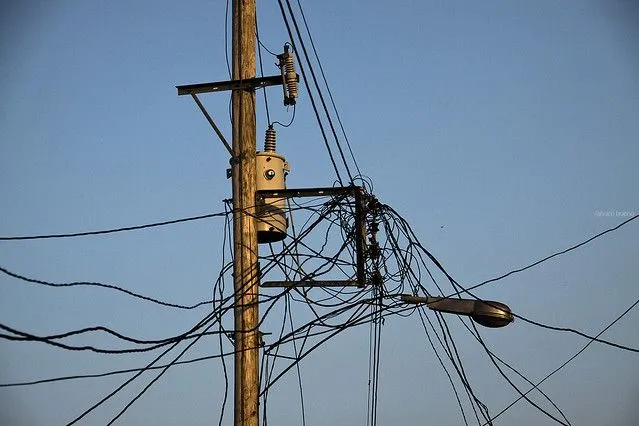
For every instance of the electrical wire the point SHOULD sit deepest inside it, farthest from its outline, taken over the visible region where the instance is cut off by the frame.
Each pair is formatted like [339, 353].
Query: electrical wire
[299, 373]
[460, 289]
[22, 336]
[266, 48]
[402, 257]
[111, 231]
[565, 363]
[510, 382]
[475, 333]
[226, 38]
[579, 333]
[423, 316]
[209, 321]
[160, 374]
[547, 258]
[259, 54]
[317, 87]
[290, 122]
[219, 290]
[328, 89]
[321, 247]
[106, 286]
[317, 116]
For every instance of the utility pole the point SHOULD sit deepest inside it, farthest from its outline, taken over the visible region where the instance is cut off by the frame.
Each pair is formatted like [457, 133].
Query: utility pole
[271, 216]
[245, 268]
[246, 233]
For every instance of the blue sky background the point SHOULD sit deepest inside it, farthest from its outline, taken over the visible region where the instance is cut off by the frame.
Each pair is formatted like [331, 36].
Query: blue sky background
[500, 130]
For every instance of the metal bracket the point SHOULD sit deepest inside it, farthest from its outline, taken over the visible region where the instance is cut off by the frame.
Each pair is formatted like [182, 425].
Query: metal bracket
[360, 231]
[247, 84]
[212, 123]
[318, 283]
[218, 86]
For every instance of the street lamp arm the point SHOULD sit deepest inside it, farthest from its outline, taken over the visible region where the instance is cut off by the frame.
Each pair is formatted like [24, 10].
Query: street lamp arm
[488, 313]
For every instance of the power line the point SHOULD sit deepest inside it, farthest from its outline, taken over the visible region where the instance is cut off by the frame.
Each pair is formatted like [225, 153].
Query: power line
[19, 335]
[109, 373]
[453, 354]
[403, 262]
[580, 333]
[462, 290]
[164, 370]
[319, 92]
[209, 321]
[536, 386]
[330, 94]
[559, 253]
[22, 336]
[308, 89]
[439, 358]
[477, 337]
[510, 382]
[204, 321]
[259, 54]
[102, 285]
[111, 231]
[299, 373]
[405, 258]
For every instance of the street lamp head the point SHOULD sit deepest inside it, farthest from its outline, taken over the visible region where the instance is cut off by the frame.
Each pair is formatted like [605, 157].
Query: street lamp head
[484, 312]
[491, 314]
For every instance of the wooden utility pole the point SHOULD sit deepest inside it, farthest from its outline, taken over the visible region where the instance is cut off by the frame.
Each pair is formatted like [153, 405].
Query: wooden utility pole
[246, 278]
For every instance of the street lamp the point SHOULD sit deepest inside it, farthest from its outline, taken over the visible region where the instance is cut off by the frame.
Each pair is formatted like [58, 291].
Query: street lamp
[484, 312]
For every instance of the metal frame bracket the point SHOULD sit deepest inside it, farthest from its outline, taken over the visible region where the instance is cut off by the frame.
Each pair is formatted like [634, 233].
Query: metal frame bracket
[360, 229]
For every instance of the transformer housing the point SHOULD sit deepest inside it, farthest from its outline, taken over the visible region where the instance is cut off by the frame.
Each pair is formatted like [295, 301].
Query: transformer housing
[271, 221]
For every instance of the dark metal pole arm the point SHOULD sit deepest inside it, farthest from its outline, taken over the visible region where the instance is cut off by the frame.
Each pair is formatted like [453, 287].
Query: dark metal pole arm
[212, 123]
[443, 304]
[485, 312]
[218, 86]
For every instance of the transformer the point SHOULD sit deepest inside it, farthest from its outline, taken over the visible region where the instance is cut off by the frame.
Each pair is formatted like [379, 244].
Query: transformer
[271, 168]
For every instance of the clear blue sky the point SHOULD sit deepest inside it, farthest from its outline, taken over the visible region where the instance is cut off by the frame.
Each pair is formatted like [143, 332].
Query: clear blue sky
[500, 130]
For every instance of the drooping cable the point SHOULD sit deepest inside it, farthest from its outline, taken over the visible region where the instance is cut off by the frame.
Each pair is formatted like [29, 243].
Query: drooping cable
[308, 90]
[296, 353]
[259, 54]
[403, 265]
[579, 333]
[575, 355]
[453, 355]
[109, 373]
[317, 87]
[510, 382]
[547, 258]
[290, 121]
[422, 316]
[111, 231]
[330, 94]
[160, 374]
[122, 386]
[226, 38]
[102, 285]
[219, 289]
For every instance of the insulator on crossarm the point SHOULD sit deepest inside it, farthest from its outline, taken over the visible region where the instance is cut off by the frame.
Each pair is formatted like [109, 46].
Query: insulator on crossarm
[287, 63]
[270, 140]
